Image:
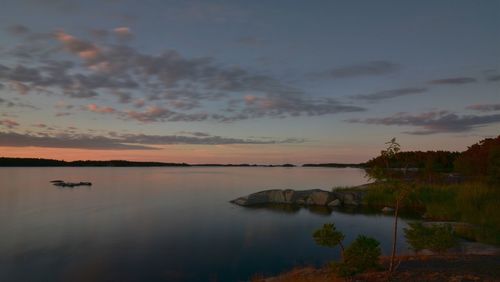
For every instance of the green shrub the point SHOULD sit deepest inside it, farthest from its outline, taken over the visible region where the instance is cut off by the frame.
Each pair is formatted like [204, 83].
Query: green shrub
[442, 238]
[362, 255]
[437, 238]
[328, 236]
[417, 236]
[475, 203]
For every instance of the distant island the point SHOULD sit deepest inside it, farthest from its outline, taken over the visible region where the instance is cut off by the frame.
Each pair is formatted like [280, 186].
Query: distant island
[37, 162]
[337, 165]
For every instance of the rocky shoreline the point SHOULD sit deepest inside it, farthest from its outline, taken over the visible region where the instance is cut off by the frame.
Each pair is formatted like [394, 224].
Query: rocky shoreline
[313, 197]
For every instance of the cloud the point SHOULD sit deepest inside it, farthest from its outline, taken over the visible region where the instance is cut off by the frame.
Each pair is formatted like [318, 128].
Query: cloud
[83, 49]
[195, 133]
[98, 109]
[20, 74]
[18, 29]
[63, 114]
[12, 104]
[63, 105]
[7, 103]
[123, 141]
[484, 107]
[11, 139]
[155, 114]
[434, 122]
[123, 97]
[389, 94]
[20, 87]
[493, 78]
[123, 33]
[373, 68]
[170, 79]
[453, 81]
[199, 140]
[287, 104]
[9, 123]
[40, 125]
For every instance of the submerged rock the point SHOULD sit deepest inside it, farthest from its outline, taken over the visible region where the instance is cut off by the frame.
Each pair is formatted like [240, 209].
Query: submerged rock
[313, 197]
[387, 209]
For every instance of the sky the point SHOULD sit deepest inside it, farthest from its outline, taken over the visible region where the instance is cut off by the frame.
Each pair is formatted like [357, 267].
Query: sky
[239, 81]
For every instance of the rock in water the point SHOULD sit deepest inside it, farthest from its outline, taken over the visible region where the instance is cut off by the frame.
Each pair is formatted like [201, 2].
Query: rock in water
[387, 209]
[335, 203]
[320, 198]
[314, 197]
[61, 183]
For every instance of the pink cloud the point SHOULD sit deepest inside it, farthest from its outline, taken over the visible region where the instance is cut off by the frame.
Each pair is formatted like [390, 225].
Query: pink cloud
[40, 125]
[250, 99]
[21, 88]
[98, 109]
[123, 32]
[83, 49]
[9, 123]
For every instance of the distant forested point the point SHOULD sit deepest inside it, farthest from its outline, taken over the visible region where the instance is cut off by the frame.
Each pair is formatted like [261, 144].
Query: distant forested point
[442, 161]
[480, 161]
[337, 165]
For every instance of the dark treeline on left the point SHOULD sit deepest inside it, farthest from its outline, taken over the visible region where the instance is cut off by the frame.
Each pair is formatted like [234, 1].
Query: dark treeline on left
[35, 162]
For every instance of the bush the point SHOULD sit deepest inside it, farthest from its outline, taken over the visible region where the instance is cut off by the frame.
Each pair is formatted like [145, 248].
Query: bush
[363, 254]
[328, 236]
[417, 236]
[437, 238]
[442, 238]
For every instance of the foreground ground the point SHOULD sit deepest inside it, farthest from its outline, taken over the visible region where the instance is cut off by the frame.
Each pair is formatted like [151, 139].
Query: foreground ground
[424, 268]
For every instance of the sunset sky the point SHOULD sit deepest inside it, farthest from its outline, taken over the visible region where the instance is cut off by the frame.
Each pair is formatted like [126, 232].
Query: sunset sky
[246, 81]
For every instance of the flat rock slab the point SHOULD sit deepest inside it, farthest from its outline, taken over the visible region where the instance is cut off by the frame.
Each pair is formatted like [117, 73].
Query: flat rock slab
[313, 197]
[61, 183]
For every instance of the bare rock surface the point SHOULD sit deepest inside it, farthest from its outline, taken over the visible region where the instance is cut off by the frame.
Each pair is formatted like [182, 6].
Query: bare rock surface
[313, 197]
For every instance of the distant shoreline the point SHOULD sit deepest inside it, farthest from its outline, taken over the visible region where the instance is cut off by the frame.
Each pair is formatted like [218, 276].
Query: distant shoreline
[38, 162]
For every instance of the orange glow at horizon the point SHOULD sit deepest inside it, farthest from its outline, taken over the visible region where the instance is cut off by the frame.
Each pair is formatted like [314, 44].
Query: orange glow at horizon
[197, 154]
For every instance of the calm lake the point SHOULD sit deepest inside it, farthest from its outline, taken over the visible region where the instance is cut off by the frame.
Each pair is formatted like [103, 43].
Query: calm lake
[166, 224]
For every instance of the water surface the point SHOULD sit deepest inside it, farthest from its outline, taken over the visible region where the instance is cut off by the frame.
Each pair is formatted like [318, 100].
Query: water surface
[165, 224]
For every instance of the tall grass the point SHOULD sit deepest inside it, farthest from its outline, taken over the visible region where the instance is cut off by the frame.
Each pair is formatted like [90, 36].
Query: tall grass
[476, 203]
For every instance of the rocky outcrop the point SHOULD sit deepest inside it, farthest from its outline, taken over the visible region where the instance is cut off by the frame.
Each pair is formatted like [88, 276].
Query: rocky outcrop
[314, 197]
[61, 183]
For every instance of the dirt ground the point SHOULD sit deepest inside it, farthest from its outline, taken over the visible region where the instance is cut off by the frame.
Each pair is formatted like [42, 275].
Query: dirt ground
[423, 268]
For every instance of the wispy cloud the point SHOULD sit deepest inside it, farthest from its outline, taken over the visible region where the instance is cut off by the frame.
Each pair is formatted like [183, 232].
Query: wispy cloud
[389, 94]
[11, 104]
[18, 29]
[172, 85]
[433, 122]
[9, 123]
[123, 33]
[453, 81]
[124, 141]
[493, 78]
[484, 107]
[99, 109]
[280, 106]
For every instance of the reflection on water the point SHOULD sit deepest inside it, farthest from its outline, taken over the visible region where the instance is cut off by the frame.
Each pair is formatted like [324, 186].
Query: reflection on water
[166, 224]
